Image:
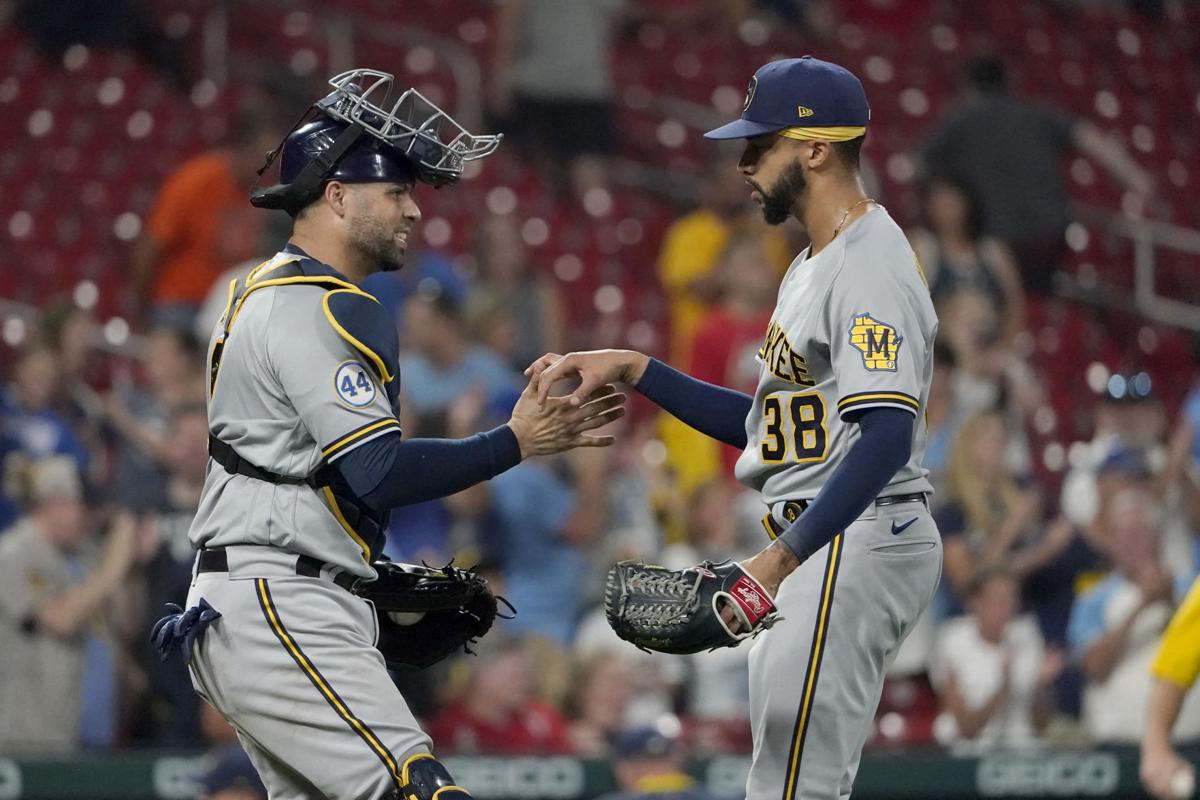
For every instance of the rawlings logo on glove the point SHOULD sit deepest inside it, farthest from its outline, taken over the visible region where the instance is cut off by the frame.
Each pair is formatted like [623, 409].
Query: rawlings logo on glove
[751, 597]
[686, 611]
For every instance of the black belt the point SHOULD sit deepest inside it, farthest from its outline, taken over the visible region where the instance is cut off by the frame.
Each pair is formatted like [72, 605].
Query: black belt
[792, 509]
[216, 560]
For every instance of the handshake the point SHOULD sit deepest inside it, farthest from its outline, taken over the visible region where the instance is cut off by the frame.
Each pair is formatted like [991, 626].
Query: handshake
[544, 424]
[671, 611]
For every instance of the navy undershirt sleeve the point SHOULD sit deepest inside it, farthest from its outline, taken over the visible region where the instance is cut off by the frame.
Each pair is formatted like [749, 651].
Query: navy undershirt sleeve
[885, 447]
[388, 472]
[713, 410]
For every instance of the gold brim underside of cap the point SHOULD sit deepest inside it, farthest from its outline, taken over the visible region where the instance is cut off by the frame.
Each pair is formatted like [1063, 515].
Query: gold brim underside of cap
[838, 133]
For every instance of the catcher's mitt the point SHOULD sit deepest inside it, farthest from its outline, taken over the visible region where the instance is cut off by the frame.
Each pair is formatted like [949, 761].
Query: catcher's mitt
[426, 613]
[679, 611]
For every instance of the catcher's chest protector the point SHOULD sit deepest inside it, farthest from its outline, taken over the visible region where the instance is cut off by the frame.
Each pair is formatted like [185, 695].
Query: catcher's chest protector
[314, 372]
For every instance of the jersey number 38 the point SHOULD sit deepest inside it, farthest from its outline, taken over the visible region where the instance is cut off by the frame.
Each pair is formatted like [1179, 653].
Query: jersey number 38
[793, 428]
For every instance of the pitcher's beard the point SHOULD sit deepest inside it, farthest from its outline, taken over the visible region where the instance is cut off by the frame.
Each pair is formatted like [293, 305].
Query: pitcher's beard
[777, 204]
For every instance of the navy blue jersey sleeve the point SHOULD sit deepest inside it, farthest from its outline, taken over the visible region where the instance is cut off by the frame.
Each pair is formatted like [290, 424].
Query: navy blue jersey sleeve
[388, 472]
[713, 410]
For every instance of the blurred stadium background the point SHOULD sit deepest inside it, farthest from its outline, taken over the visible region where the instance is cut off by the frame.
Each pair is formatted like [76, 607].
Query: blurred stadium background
[1042, 154]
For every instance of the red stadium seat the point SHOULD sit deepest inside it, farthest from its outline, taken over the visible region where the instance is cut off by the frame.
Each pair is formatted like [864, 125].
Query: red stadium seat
[1095, 61]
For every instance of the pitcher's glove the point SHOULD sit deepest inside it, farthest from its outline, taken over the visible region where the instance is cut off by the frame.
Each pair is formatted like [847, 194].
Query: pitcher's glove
[427, 613]
[679, 611]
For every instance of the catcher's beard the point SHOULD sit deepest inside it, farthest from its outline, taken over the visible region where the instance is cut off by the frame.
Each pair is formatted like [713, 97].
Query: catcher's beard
[778, 203]
[375, 240]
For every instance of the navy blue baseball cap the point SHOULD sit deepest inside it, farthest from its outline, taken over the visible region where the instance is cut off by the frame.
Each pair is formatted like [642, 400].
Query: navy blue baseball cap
[800, 93]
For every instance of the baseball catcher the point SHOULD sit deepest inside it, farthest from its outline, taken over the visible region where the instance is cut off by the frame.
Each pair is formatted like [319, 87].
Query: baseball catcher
[291, 598]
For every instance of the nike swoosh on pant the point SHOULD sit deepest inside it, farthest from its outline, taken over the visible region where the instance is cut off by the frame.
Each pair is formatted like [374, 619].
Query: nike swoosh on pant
[898, 529]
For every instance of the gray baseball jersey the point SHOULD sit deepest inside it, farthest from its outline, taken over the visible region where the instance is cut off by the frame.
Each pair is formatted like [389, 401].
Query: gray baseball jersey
[853, 328]
[295, 388]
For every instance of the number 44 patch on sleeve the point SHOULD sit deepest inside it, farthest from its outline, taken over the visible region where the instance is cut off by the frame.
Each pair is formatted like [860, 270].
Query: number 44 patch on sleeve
[877, 341]
[353, 384]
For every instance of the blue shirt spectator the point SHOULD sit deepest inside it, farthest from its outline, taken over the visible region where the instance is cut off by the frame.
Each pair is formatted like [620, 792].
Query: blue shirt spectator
[30, 425]
[1088, 615]
[1191, 415]
[39, 433]
[429, 387]
[543, 573]
[428, 270]
[442, 364]
[1115, 627]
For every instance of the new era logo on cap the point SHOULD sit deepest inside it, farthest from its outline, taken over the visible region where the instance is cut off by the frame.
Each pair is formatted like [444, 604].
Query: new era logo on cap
[794, 91]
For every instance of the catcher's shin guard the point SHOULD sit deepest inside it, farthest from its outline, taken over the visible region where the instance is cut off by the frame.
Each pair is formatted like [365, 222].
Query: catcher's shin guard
[423, 777]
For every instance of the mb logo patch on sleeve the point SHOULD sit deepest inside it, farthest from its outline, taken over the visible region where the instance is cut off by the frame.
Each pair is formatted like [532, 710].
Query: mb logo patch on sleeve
[877, 341]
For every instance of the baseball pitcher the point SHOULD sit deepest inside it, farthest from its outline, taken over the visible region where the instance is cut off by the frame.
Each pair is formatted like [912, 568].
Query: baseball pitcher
[832, 438]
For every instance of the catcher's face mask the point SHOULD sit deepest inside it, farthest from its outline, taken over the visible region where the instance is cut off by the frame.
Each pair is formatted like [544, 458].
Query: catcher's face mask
[430, 138]
[410, 137]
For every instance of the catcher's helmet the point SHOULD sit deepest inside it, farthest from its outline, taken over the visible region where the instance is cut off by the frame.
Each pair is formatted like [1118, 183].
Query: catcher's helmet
[346, 136]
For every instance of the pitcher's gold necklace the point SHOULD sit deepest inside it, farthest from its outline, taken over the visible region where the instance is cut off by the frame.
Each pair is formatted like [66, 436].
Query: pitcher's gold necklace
[849, 210]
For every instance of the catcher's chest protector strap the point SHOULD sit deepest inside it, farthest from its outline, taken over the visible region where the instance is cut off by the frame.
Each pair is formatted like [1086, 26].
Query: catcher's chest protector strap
[227, 457]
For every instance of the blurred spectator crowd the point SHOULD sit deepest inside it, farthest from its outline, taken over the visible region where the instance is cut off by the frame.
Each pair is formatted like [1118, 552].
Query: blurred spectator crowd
[1057, 581]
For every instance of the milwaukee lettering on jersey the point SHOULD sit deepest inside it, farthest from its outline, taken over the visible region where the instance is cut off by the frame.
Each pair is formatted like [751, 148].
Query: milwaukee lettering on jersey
[783, 361]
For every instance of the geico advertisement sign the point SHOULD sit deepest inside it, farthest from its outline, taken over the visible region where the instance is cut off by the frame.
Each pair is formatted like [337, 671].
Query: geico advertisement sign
[549, 778]
[1048, 774]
